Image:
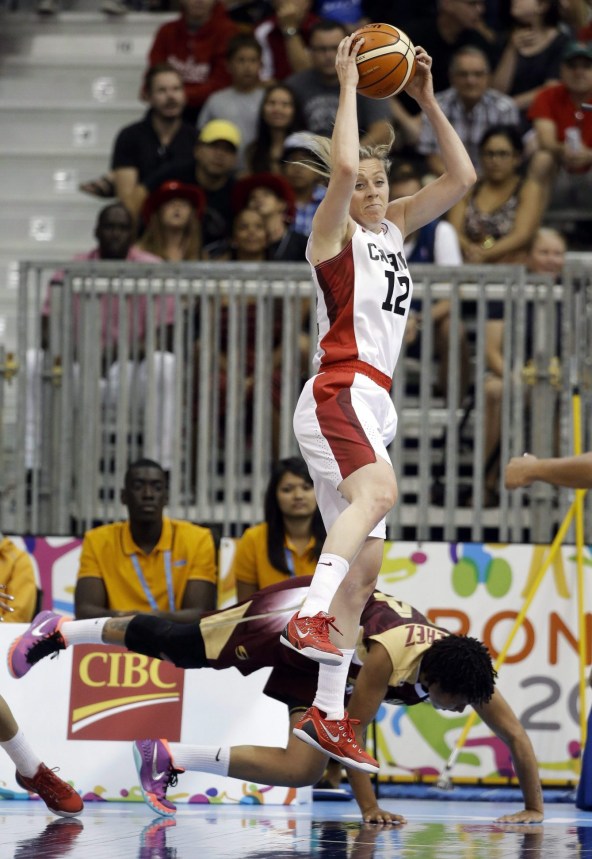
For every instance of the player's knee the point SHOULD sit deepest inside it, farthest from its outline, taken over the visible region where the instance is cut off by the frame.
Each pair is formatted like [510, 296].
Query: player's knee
[179, 643]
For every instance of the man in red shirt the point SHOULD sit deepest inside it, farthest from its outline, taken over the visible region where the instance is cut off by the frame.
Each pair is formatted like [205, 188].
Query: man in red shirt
[564, 131]
[196, 45]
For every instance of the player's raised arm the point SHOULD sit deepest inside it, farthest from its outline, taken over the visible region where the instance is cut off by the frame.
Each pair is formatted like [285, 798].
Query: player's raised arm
[332, 219]
[459, 174]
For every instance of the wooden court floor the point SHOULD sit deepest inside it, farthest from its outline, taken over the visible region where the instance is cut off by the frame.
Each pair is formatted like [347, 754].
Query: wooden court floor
[328, 830]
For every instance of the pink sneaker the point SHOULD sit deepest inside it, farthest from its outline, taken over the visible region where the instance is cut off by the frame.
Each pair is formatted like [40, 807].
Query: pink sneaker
[42, 638]
[156, 771]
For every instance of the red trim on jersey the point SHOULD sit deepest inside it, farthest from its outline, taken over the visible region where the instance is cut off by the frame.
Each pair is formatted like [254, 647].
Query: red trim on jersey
[360, 367]
[339, 422]
[336, 280]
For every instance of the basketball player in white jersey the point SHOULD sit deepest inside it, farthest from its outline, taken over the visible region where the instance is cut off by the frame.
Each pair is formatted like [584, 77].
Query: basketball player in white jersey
[345, 418]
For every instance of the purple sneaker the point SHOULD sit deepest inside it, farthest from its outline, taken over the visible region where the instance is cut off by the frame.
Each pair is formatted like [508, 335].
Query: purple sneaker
[156, 771]
[41, 638]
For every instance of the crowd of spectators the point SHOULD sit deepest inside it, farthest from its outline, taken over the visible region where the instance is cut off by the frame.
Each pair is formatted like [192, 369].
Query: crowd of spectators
[219, 167]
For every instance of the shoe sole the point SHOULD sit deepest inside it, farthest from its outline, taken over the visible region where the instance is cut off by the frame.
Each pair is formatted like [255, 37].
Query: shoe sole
[347, 762]
[11, 650]
[159, 809]
[311, 653]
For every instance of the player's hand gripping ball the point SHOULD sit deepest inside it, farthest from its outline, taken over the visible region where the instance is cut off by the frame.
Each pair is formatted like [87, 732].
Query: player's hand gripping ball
[386, 61]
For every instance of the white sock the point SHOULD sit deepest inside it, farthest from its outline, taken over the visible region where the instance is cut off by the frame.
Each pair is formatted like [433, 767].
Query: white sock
[84, 631]
[330, 572]
[205, 759]
[21, 754]
[331, 687]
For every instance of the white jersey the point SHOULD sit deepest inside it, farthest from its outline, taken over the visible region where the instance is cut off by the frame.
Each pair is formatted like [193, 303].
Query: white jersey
[363, 299]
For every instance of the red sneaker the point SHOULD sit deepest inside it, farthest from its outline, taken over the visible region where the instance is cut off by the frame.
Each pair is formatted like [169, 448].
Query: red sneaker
[334, 737]
[310, 637]
[57, 794]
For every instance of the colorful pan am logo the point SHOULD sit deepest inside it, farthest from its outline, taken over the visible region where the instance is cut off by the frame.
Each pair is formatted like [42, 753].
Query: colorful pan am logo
[473, 565]
[397, 569]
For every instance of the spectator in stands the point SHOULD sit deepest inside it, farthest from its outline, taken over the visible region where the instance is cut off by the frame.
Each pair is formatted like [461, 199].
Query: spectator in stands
[173, 215]
[350, 13]
[273, 198]
[288, 542]
[530, 60]
[497, 220]
[470, 105]
[196, 44]
[240, 102]
[248, 242]
[279, 116]
[248, 13]
[149, 563]
[574, 472]
[456, 24]
[308, 190]
[160, 138]
[18, 587]
[436, 242]
[284, 39]
[317, 90]
[547, 252]
[212, 168]
[564, 132]
[114, 232]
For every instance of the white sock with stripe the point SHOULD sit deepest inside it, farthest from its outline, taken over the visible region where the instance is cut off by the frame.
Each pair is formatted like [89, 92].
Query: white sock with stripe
[331, 687]
[330, 572]
[205, 759]
[84, 631]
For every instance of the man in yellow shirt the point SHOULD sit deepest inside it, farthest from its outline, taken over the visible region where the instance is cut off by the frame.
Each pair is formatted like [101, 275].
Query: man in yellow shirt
[149, 563]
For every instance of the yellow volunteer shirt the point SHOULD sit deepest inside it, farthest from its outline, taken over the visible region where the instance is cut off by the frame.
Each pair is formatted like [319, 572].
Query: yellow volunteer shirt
[108, 554]
[251, 563]
[17, 573]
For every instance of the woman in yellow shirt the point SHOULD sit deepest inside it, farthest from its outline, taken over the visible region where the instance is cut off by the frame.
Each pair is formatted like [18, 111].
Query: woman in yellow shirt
[288, 542]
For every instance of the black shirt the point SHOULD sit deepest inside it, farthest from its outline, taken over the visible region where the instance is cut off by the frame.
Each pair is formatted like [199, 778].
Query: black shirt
[138, 146]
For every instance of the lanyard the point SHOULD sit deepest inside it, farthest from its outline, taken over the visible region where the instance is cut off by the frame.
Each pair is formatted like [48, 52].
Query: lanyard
[168, 575]
[289, 560]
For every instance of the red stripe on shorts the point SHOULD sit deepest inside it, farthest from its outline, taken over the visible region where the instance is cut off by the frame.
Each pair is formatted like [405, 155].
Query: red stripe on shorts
[339, 422]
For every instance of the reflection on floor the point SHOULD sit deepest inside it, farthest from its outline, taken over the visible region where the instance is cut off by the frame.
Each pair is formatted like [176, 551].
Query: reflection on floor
[435, 830]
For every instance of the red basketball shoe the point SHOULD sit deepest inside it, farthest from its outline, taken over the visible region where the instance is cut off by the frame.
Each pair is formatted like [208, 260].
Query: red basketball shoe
[57, 794]
[310, 637]
[336, 738]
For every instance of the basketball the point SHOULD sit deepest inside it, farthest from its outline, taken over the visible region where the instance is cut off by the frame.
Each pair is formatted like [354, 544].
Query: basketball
[386, 62]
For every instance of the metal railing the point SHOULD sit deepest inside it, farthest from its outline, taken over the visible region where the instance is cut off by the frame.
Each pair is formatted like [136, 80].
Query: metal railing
[203, 370]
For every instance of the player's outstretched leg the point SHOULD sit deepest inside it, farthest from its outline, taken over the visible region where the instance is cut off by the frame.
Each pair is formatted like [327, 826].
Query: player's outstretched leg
[336, 738]
[57, 794]
[156, 771]
[42, 638]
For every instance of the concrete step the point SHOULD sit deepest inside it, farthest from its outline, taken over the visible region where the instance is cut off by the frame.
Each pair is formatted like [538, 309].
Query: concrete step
[81, 34]
[36, 127]
[32, 176]
[66, 224]
[47, 79]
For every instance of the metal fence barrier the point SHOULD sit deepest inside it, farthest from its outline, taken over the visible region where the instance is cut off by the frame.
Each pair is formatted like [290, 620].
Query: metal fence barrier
[200, 365]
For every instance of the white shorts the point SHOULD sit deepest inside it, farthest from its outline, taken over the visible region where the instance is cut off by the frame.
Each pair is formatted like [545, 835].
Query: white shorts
[343, 421]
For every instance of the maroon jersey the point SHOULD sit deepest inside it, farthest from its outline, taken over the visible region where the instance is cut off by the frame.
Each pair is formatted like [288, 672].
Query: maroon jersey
[246, 637]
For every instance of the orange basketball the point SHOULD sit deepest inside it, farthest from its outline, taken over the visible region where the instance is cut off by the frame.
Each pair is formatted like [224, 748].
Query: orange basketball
[386, 62]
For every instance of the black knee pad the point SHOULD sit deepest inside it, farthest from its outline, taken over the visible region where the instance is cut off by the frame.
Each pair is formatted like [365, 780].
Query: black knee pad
[179, 643]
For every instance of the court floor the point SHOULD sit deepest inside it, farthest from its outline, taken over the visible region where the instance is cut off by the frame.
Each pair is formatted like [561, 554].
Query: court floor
[329, 830]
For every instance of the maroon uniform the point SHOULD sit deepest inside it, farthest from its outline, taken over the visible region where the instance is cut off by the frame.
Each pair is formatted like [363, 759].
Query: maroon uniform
[232, 641]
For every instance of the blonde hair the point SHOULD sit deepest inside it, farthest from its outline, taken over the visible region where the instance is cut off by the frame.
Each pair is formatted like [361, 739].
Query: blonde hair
[320, 147]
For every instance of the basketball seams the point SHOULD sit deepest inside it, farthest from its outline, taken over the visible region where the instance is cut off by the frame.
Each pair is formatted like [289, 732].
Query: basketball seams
[382, 60]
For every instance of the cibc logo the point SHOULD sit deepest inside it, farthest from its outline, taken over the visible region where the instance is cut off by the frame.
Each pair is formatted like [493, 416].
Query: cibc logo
[115, 694]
